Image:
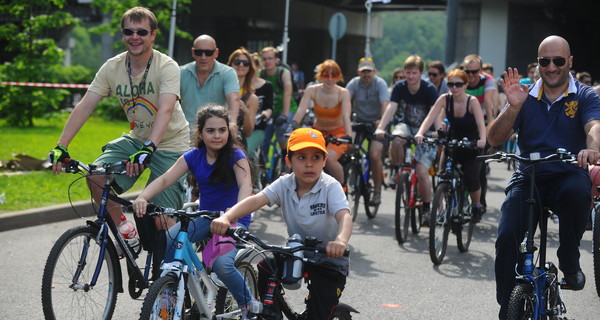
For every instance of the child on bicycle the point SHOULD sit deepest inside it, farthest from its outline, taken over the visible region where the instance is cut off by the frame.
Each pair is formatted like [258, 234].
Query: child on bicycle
[313, 203]
[222, 171]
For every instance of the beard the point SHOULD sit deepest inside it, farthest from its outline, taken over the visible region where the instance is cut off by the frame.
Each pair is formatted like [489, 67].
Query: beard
[557, 82]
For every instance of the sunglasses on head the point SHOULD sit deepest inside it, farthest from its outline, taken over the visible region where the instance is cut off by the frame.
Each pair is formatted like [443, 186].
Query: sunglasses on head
[558, 61]
[365, 59]
[140, 32]
[207, 53]
[455, 84]
[433, 75]
[471, 71]
[237, 62]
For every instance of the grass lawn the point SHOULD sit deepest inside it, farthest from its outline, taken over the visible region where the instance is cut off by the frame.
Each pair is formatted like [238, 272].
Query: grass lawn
[40, 188]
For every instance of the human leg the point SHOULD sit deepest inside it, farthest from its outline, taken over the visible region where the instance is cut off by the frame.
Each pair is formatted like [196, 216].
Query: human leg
[198, 229]
[376, 163]
[325, 288]
[333, 166]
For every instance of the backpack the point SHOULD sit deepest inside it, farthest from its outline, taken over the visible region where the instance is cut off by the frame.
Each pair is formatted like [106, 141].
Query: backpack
[296, 95]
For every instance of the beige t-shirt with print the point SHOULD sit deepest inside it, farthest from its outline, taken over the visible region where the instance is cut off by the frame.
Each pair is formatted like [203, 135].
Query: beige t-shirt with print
[163, 77]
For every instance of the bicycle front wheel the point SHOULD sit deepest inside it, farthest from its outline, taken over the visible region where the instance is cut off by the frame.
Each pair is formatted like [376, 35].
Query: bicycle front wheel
[596, 245]
[353, 183]
[66, 290]
[402, 211]
[522, 302]
[226, 302]
[465, 224]
[439, 222]
[161, 300]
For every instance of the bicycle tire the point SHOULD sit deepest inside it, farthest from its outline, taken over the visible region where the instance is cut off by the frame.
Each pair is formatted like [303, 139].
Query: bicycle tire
[354, 188]
[596, 245]
[439, 222]
[342, 315]
[416, 216]
[465, 224]
[225, 301]
[521, 303]
[59, 298]
[402, 211]
[370, 210]
[161, 299]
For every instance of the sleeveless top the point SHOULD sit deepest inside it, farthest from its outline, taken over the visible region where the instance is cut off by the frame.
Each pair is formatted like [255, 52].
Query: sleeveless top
[328, 113]
[465, 126]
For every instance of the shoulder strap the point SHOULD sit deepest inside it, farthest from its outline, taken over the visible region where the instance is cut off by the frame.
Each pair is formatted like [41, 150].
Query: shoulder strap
[449, 105]
[280, 76]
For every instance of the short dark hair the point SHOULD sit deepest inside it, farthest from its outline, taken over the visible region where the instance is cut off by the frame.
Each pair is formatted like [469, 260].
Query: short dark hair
[137, 14]
[438, 65]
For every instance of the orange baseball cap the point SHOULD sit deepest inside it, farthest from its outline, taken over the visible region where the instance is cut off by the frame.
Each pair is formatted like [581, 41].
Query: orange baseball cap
[305, 138]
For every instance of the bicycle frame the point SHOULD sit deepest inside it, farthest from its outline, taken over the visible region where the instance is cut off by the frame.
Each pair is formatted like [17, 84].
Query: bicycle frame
[409, 166]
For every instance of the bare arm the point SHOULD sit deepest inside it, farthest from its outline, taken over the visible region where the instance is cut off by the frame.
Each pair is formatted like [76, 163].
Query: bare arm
[590, 155]
[336, 248]
[347, 111]
[488, 98]
[478, 114]
[501, 128]
[431, 117]
[161, 183]
[384, 105]
[241, 209]
[386, 118]
[287, 91]
[166, 105]
[233, 101]
[304, 102]
[250, 109]
[243, 178]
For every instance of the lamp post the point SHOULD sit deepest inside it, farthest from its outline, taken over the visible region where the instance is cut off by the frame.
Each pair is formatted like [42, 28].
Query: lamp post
[172, 29]
[285, 32]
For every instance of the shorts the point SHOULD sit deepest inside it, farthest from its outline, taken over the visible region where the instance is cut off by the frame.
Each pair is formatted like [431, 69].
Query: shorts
[121, 148]
[337, 133]
[425, 153]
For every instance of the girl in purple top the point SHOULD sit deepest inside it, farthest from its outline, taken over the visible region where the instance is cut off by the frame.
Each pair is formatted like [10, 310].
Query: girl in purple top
[222, 171]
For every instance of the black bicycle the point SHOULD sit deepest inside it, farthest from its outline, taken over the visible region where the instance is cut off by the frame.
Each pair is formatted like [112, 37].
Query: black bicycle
[451, 206]
[596, 240]
[82, 275]
[537, 292]
[276, 259]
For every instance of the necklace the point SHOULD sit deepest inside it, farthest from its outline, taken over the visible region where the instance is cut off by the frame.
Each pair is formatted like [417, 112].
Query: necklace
[142, 85]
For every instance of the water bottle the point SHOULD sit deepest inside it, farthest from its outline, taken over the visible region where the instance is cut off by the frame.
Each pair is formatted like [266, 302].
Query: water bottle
[129, 233]
[292, 268]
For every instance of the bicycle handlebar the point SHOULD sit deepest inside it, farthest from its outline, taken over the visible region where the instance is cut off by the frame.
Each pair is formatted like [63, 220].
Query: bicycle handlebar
[308, 244]
[154, 210]
[76, 166]
[560, 155]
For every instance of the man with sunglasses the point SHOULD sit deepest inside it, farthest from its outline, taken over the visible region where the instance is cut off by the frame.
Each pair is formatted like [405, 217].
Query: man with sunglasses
[436, 73]
[556, 112]
[146, 83]
[206, 80]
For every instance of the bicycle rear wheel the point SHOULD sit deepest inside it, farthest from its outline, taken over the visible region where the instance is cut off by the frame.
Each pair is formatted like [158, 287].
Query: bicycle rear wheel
[416, 216]
[439, 222]
[354, 188]
[226, 303]
[161, 300]
[402, 211]
[596, 245]
[370, 210]
[465, 224]
[66, 291]
[522, 302]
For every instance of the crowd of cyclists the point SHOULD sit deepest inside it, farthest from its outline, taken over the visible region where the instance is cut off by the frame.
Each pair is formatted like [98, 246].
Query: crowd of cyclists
[424, 101]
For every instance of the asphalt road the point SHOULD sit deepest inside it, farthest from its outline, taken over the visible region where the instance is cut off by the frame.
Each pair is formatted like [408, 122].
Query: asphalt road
[387, 280]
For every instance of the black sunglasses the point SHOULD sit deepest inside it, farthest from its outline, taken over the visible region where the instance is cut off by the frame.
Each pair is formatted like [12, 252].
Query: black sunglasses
[207, 53]
[237, 62]
[558, 61]
[471, 71]
[455, 84]
[141, 32]
[432, 75]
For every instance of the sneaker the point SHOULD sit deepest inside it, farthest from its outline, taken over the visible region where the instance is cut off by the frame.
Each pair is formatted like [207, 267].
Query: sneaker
[476, 213]
[375, 198]
[425, 217]
[554, 218]
[574, 281]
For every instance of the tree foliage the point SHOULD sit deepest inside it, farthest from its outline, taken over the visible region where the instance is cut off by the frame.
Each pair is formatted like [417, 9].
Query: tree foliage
[408, 33]
[36, 58]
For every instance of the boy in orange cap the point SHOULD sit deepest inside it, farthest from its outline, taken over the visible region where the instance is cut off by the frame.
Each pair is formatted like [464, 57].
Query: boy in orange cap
[313, 204]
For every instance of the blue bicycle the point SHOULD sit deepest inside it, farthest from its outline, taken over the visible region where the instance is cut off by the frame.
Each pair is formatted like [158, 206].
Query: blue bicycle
[185, 289]
[537, 292]
[270, 162]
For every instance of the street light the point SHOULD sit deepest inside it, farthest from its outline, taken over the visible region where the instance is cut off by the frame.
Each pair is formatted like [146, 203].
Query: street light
[369, 5]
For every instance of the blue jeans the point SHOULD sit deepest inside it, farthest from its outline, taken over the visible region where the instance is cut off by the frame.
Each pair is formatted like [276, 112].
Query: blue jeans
[568, 196]
[198, 230]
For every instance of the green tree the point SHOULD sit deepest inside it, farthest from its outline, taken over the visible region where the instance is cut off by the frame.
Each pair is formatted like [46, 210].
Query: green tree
[36, 58]
[407, 33]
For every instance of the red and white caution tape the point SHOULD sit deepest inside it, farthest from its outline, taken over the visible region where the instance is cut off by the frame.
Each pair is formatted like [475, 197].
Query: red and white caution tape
[45, 84]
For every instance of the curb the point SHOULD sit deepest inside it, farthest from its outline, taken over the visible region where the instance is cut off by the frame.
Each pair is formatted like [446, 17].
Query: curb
[55, 213]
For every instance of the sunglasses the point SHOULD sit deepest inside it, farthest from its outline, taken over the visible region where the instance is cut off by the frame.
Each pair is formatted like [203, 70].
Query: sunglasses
[558, 61]
[455, 84]
[237, 62]
[207, 53]
[365, 59]
[471, 71]
[141, 32]
[433, 75]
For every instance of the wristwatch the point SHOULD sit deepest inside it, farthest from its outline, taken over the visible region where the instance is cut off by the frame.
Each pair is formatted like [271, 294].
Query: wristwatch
[149, 144]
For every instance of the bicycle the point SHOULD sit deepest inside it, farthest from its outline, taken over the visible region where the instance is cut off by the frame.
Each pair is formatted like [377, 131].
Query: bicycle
[185, 288]
[357, 173]
[269, 168]
[408, 208]
[255, 248]
[82, 274]
[537, 292]
[595, 215]
[451, 206]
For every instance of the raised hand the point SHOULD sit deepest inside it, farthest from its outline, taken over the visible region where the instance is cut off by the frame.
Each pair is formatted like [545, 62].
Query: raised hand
[515, 93]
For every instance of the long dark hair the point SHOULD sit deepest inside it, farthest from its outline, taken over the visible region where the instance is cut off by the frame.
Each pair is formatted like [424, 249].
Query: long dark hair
[221, 173]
